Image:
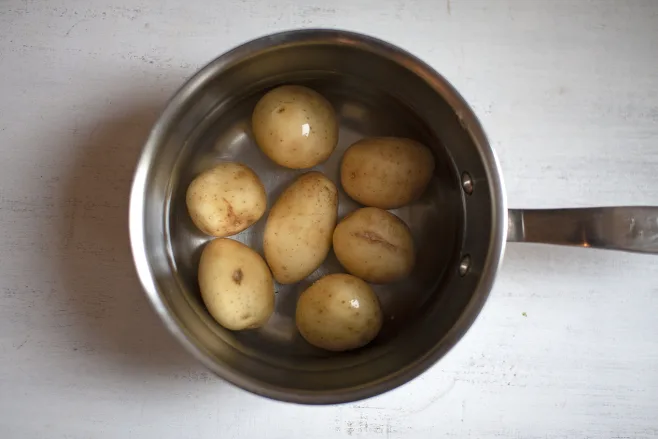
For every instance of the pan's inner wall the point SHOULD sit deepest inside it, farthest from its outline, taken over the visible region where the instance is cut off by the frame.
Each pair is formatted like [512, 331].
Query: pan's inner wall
[373, 95]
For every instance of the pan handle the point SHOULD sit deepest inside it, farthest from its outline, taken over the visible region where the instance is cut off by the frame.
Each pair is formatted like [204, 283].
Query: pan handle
[632, 229]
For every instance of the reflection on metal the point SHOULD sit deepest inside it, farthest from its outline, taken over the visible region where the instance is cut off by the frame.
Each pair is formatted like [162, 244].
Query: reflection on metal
[467, 183]
[464, 265]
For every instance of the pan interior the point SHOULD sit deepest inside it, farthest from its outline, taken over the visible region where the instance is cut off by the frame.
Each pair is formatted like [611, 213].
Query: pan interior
[363, 111]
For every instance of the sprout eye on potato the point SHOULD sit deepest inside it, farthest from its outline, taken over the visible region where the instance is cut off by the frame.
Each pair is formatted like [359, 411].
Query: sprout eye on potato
[374, 245]
[299, 228]
[226, 199]
[339, 312]
[236, 285]
[295, 126]
[386, 172]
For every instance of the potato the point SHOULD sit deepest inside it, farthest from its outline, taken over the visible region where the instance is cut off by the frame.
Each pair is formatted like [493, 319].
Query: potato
[338, 312]
[226, 199]
[386, 172]
[295, 126]
[236, 285]
[299, 228]
[374, 245]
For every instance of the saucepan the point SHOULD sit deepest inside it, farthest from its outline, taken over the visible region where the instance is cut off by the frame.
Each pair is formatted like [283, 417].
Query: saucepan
[460, 224]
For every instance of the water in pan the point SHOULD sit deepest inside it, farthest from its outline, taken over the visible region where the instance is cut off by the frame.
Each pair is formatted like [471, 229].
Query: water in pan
[434, 219]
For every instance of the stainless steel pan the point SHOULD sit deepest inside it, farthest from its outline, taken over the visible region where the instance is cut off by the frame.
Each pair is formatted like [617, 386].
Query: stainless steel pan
[460, 225]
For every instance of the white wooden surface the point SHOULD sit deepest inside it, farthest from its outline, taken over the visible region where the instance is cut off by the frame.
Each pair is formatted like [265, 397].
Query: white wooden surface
[567, 345]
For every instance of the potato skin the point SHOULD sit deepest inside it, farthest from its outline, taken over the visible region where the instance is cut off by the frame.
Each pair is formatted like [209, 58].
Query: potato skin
[226, 199]
[295, 126]
[374, 245]
[299, 228]
[236, 285]
[339, 312]
[386, 172]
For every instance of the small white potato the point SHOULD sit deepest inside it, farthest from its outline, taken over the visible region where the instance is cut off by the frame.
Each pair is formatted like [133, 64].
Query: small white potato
[339, 312]
[386, 172]
[299, 228]
[236, 285]
[295, 126]
[374, 245]
[226, 199]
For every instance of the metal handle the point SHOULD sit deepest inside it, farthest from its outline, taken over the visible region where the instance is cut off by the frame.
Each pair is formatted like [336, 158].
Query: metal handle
[633, 229]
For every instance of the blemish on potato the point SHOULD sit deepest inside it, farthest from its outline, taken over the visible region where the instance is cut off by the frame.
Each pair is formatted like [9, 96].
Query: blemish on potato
[375, 238]
[237, 276]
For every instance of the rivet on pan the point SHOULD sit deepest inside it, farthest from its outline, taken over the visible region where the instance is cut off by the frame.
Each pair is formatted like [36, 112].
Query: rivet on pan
[464, 265]
[467, 183]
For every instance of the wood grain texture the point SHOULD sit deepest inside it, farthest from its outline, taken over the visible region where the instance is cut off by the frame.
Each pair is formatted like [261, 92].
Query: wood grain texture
[566, 347]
